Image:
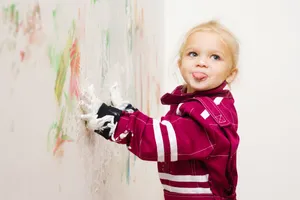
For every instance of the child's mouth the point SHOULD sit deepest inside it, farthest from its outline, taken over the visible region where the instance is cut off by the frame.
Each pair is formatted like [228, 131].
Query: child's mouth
[199, 76]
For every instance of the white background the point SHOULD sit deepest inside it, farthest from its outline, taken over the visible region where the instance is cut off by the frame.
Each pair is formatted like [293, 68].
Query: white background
[267, 90]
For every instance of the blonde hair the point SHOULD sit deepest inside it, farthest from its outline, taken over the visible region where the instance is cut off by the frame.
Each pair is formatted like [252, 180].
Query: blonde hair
[226, 36]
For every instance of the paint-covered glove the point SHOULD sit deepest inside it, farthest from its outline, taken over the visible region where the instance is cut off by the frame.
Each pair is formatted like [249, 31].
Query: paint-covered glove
[117, 100]
[99, 117]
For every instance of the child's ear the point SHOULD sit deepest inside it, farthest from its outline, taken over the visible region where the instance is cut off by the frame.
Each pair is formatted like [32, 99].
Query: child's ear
[232, 75]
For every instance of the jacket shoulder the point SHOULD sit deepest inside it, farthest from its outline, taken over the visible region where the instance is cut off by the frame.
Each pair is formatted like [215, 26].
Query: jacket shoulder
[220, 109]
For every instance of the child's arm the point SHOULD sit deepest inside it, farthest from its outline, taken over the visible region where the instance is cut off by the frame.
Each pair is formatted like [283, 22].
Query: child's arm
[170, 139]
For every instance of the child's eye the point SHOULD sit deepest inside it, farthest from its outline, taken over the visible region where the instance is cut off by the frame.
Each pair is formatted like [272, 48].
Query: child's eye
[216, 57]
[192, 54]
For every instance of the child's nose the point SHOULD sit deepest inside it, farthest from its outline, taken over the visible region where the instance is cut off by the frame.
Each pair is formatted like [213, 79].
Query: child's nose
[201, 63]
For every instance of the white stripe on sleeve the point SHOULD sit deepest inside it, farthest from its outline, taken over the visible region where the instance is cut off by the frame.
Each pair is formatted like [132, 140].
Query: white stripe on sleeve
[172, 139]
[159, 141]
[182, 190]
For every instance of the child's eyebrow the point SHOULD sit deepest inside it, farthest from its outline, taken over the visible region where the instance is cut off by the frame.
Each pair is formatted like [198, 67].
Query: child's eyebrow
[219, 52]
[190, 48]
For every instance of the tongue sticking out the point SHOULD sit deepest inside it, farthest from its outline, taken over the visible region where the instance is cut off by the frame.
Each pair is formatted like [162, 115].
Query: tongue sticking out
[199, 76]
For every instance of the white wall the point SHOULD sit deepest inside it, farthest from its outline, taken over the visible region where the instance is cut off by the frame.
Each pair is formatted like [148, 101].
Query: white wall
[267, 90]
[117, 41]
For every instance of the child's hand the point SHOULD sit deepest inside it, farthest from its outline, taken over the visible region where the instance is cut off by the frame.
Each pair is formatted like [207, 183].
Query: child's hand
[116, 97]
[98, 116]
[89, 102]
[90, 105]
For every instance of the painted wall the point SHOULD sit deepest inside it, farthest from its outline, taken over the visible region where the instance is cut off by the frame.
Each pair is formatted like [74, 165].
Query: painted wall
[49, 50]
[267, 90]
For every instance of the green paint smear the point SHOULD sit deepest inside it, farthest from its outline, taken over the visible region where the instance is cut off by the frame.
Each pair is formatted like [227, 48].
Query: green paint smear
[63, 67]
[66, 137]
[58, 127]
[54, 13]
[5, 10]
[60, 123]
[12, 9]
[17, 18]
[11, 14]
[61, 77]
[72, 30]
[54, 57]
[69, 102]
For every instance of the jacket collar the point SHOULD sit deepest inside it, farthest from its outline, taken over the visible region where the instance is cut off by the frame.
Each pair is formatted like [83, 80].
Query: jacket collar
[179, 94]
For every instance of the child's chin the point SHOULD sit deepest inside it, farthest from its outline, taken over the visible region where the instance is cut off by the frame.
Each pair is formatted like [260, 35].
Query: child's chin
[200, 86]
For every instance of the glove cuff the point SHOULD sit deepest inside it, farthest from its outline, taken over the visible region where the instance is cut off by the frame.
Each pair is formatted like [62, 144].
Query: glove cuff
[129, 108]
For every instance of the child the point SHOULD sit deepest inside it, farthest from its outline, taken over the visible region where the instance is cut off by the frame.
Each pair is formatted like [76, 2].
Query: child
[195, 143]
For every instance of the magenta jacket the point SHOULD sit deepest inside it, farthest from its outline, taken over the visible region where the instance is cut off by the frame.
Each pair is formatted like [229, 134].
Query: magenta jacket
[194, 144]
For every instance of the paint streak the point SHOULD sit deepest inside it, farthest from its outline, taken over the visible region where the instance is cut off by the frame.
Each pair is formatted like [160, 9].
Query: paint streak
[139, 19]
[75, 69]
[22, 55]
[62, 69]
[11, 15]
[69, 102]
[32, 29]
[128, 11]
[61, 76]
[130, 37]
[105, 54]
[53, 54]
[127, 7]
[54, 14]
[54, 57]
[32, 23]
[56, 134]
[69, 57]
[128, 169]
[135, 22]
[60, 137]
[61, 61]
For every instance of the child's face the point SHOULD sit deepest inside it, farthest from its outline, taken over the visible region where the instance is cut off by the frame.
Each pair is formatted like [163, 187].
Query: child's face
[206, 62]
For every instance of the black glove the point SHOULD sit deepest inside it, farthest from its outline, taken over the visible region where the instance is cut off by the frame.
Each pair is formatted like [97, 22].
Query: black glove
[110, 125]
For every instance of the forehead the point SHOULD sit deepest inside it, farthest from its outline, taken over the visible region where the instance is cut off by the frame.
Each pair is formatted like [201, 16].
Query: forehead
[206, 40]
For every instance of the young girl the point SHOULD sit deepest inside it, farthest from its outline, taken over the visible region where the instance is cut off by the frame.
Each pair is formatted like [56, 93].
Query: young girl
[195, 143]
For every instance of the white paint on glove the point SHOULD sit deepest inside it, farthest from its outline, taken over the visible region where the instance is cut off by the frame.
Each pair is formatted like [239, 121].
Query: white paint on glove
[116, 97]
[90, 105]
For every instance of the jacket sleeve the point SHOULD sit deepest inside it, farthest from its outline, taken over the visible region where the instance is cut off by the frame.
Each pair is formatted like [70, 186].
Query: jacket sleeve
[173, 138]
